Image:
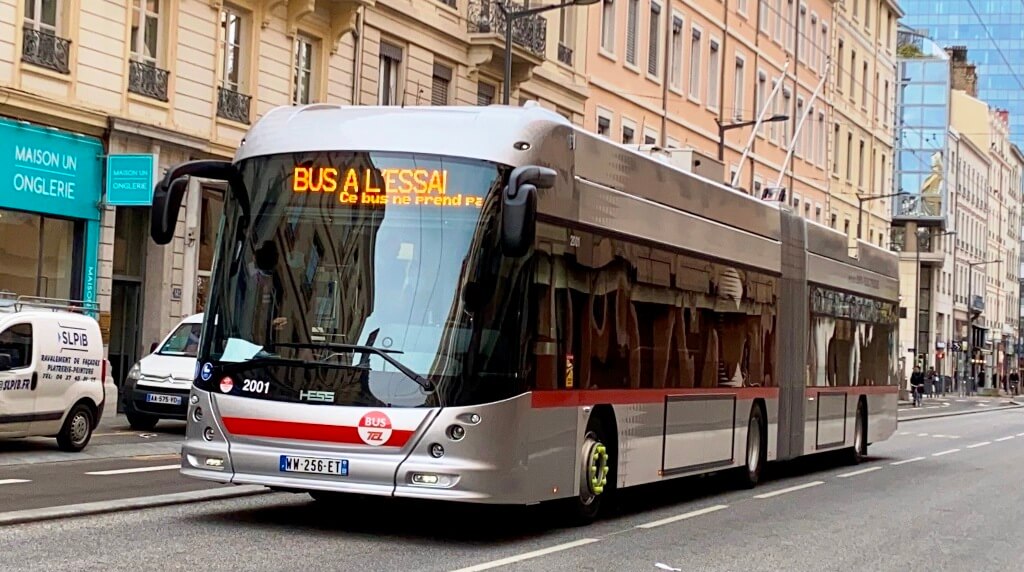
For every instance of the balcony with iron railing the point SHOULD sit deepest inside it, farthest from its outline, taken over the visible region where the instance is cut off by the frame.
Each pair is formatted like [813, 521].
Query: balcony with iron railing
[147, 80]
[233, 105]
[47, 50]
[486, 18]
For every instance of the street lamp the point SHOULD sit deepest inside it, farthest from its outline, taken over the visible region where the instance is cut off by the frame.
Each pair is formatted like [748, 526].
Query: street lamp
[970, 313]
[723, 128]
[860, 205]
[510, 17]
[917, 286]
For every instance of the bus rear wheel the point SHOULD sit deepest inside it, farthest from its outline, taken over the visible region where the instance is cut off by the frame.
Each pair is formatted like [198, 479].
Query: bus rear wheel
[597, 475]
[859, 451]
[755, 451]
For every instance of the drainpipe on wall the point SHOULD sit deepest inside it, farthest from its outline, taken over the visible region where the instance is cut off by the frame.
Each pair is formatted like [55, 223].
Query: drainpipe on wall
[357, 58]
[667, 77]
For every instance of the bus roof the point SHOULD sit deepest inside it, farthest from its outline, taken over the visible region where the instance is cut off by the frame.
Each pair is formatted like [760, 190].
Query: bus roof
[488, 133]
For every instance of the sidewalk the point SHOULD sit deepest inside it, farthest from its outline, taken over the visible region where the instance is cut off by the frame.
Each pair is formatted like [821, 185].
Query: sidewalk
[975, 399]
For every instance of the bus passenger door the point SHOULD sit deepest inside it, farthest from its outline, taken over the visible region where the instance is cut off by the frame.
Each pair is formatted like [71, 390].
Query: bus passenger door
[17, 379]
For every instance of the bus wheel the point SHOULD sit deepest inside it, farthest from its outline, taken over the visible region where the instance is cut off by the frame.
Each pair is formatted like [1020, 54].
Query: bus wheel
[755, 451]
[859, 451]
[596, 480]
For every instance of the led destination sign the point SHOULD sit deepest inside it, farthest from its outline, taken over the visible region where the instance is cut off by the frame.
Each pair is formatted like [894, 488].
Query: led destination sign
[422, 187]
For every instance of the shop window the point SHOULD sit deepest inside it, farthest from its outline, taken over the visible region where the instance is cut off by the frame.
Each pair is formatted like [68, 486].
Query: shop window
[131, 231]
[16, 342]
[39, 255]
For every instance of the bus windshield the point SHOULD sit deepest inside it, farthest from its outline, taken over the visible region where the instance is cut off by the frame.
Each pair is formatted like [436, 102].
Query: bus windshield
[368, 279]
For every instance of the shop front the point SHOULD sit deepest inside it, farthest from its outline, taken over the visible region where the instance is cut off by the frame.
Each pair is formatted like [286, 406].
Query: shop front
[51, 183]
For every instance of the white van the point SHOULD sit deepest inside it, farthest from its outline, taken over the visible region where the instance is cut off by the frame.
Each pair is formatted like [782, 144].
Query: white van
[52, 370]
[158, 386]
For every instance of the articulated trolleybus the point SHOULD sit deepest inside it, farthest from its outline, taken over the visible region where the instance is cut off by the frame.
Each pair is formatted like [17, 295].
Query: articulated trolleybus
[490, 305]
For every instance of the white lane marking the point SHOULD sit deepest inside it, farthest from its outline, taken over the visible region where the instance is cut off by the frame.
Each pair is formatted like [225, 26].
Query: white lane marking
[932, 407]
[136, 470]
[983, 404]
[684, 516]
[860, 472]
[904, 432]
[528, 555]
[905, 461]
[13, 481]
[922, 434]
[939, 436]
[982, 444]
[1001, 439]
[1020, 434]
[941, 453]
[789, 490]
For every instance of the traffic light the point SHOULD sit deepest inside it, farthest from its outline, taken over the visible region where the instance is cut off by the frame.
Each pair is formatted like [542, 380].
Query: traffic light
[940, 354]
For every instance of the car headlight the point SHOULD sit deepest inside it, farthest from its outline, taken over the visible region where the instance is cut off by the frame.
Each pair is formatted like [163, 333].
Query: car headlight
[134, 373]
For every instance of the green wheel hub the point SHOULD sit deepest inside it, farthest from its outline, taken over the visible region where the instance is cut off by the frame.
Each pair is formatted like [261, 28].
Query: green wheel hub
[597, 468]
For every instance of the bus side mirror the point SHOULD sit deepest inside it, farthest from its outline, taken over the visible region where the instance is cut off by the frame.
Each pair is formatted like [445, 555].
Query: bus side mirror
[166, 203]
[170, 192]
[519, 207]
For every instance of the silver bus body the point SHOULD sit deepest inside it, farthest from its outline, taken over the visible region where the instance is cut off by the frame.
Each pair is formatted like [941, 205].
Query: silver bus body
[528, 449]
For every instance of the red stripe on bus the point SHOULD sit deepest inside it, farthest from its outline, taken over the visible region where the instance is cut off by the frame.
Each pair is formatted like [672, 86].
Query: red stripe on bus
[306, 431]
[581, 397]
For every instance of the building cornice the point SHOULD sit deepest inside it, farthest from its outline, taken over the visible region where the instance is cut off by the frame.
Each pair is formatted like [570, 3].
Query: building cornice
[120, 125]
[30, 107]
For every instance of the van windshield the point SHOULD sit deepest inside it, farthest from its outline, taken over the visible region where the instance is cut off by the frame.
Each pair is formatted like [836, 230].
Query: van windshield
[183, 342]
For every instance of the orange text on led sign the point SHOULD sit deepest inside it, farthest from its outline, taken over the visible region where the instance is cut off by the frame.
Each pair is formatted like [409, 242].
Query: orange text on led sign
[427, 187]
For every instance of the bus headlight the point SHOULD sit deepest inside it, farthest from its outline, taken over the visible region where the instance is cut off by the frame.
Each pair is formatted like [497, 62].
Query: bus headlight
[436, 451]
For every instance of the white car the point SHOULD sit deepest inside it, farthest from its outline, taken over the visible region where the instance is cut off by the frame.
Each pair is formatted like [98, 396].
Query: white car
[158, 386]
[52, 372]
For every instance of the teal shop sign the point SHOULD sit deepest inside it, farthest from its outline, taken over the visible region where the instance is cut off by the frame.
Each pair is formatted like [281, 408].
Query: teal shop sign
[50, 171]
[130, 180]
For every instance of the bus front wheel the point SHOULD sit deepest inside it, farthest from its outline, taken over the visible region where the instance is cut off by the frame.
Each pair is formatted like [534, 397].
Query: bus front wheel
[756, 450]
[597, 475]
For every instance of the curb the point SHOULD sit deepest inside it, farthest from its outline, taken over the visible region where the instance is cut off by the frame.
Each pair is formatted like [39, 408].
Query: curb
[120, 505]
[956, 413]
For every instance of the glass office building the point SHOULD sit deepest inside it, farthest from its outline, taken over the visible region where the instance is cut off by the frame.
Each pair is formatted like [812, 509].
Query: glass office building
[993, 32]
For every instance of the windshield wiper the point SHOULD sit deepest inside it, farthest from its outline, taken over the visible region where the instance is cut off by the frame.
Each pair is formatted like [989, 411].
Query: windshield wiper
[383, 353]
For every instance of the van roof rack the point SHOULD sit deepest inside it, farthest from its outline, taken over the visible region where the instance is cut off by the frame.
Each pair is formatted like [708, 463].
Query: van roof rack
[12, 302]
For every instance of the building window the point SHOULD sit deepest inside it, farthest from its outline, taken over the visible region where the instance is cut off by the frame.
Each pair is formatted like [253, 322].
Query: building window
[654, 40]
[650, 137]
[440, 83]
[695, 58]
[738, 89]
[302, 85]
[146, 26]
[144, 74]
[839, 68]
[787, 96]
[390, 62]
[628, 134]
[864, 87]
[860, 165]
[676, 73]
[803, 35]
[798, 147]
[853, 75]
[566, 35]
[762, 15]
[849, 157]
[822, 140]
[778, 21]
[790, 38]
[232, 103]
[608, 26]
[761, 96]
[813, 41]
[714, 73]
[604, 126]
[42, 45]
[835, 149]
[485, 94]
[632, 22]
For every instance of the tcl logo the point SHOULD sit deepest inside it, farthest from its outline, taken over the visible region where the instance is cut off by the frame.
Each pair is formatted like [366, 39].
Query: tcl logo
[375, 428]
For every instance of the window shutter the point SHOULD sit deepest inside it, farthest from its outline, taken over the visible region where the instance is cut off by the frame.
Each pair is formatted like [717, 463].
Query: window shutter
[484, 94]
[439, 90]
[631, 25]
[652, 53]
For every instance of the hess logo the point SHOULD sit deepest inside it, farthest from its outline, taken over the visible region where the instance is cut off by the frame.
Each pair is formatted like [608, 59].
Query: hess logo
[375, 428]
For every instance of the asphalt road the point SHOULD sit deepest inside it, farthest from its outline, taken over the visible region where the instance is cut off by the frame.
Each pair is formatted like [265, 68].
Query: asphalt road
[943, 494]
